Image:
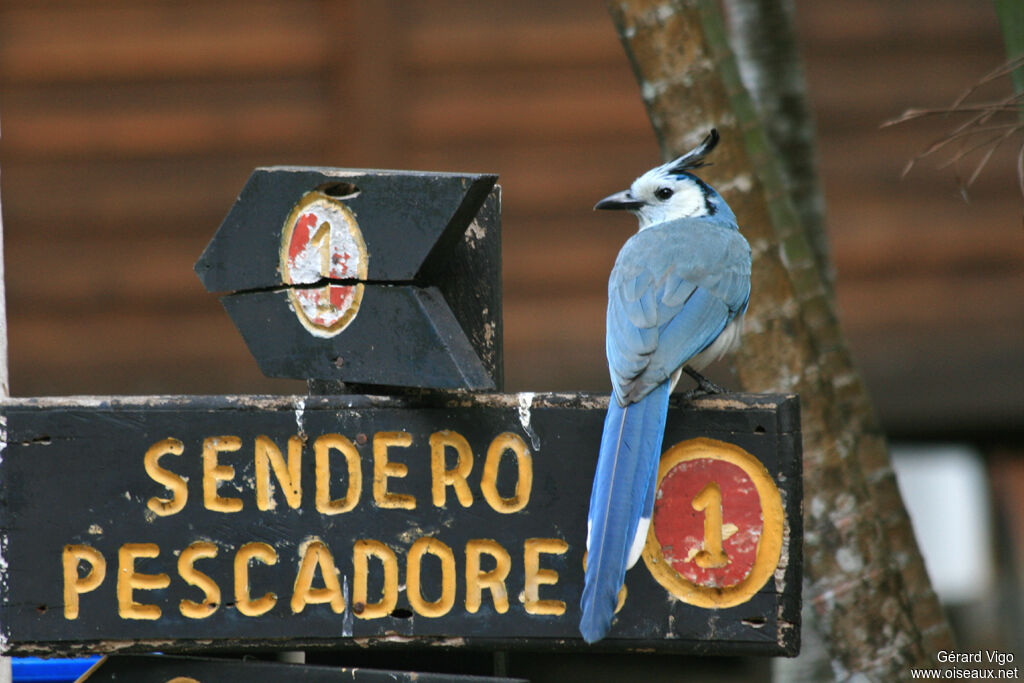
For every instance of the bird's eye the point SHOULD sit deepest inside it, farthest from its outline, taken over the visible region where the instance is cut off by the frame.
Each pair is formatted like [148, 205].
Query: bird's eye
[663, 193]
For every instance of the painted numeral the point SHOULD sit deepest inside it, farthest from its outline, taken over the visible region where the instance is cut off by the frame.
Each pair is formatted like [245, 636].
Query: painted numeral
[709, 500]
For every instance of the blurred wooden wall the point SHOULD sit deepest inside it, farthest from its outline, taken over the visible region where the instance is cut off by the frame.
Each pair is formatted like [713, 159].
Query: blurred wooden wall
[130, 126]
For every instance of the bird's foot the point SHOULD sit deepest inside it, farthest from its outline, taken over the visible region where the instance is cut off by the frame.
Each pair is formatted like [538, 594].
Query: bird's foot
[704, 387]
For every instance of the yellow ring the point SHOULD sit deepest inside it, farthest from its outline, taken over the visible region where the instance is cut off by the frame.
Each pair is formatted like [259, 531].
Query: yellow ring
[769, 545]
[352, 226]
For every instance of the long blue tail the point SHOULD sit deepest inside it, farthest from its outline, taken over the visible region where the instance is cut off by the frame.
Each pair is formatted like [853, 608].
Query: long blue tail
[622, 495]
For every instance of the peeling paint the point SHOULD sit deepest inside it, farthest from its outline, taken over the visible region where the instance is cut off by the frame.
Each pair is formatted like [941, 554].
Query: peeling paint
[525, 403]
[490, 329]
[475, 232]
[720, 402]
[346, 622]
[300, 411]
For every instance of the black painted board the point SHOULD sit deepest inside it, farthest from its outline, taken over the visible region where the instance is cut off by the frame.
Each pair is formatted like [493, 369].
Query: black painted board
[470, 282]
[408, 219]
[403, 336]
[165, 668]
[73, 474]
[303, 298]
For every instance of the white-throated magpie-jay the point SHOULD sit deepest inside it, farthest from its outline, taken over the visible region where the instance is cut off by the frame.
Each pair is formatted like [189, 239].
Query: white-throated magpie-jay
[676, 299]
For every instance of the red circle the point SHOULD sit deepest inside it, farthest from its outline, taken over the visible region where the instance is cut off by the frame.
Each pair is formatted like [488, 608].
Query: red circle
[680, 528]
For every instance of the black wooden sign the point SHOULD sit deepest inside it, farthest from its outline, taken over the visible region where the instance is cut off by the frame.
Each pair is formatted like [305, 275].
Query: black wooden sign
[170, 669]
[453, 520]
[388, 278]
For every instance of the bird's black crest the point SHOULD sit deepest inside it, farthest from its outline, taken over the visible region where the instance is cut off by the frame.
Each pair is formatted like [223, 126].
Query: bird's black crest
[695, 157]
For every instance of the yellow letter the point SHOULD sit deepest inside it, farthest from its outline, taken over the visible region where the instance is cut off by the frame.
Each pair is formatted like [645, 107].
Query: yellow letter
[489, 484]
[289, 476]
[384, 470]
[361, 553]
[441, 477]
[314, 555]
[243, 593]
[494, 579]
[129, 581]
[322, 447]
[443, 604]
[214, 472]
[75, 585]
[194, 577]
[174, 482]
[537, 577]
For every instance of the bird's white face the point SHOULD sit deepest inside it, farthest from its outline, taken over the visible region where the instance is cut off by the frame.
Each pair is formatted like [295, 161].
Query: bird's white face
[668, 197]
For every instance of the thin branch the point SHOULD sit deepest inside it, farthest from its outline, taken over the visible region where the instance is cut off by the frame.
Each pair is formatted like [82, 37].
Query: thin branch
[1010, 104]
[980, 122]
[992, 141]
[1009, 128]
[1002, 70]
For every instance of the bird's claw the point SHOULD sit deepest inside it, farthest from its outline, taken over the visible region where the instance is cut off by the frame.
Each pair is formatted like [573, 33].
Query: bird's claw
[705, 387]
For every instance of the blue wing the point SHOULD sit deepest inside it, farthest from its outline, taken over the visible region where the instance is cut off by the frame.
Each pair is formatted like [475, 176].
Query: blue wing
[665, 305]
[673, 290]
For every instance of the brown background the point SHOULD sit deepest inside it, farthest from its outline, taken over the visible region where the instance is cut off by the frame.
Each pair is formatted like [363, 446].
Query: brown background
[130, 126]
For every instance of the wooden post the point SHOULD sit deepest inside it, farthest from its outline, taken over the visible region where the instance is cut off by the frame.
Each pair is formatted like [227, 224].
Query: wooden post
[5, 390]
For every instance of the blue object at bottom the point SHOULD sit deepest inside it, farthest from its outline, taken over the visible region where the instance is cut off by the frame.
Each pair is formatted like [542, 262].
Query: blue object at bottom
[52, 670]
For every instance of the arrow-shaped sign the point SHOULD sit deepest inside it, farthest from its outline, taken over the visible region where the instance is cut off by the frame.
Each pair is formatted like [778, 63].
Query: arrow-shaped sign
[369, 277]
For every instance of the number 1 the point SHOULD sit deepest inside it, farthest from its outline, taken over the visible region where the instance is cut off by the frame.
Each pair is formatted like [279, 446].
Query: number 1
[322, 239]
[710, 501]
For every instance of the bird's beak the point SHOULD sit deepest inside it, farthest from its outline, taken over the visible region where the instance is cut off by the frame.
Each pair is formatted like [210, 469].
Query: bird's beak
[622, 201]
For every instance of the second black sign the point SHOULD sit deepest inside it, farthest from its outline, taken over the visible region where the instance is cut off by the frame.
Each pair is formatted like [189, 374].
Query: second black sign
[452, 520]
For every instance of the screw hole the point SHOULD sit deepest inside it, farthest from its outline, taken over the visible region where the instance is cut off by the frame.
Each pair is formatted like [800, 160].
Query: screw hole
[339, 190]
[759, 429]
[402, 613]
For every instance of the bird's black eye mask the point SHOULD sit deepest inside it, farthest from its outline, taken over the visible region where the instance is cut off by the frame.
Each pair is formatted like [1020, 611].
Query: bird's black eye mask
[705, 189]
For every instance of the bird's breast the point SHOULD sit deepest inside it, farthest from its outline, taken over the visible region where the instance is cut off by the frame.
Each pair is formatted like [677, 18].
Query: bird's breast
[728, 340]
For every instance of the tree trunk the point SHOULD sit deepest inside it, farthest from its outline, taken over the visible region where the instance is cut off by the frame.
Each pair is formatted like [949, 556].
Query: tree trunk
[762, 34]
[864, 575]
[763, 37]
